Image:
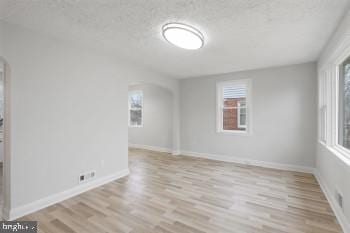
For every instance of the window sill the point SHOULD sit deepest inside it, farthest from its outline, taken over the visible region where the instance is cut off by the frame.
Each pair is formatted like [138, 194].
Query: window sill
[234, 132]
[339, 152]
[135, 126]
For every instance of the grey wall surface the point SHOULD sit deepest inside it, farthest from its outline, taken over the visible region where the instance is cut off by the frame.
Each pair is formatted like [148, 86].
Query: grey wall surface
[283, 121]
[157, 117]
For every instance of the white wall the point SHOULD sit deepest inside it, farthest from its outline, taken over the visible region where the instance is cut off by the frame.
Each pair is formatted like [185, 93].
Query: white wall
[68, 113]
[332, 169]
[283, 120]
[157, 118]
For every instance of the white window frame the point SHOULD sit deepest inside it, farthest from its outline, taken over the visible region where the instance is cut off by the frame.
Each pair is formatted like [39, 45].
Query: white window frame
[139, 92]
[335, 87]
[239, 116]
[322, 106]
[329, 103]
[219, 106]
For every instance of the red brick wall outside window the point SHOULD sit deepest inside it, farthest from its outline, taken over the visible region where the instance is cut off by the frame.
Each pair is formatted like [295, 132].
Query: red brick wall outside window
[230, 116]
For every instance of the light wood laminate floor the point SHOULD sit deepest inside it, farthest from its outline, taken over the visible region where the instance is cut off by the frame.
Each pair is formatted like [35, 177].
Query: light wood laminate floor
[177, 194]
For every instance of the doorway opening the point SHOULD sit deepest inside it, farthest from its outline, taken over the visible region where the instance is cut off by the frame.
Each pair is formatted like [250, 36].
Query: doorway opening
[150, 113]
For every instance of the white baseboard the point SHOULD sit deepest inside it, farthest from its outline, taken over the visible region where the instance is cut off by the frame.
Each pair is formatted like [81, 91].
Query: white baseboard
[344, 223]
[234, 159]
[53, 199]
[154, 148]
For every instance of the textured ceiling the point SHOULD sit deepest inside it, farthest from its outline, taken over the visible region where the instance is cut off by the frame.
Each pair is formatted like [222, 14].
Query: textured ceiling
[239, 34]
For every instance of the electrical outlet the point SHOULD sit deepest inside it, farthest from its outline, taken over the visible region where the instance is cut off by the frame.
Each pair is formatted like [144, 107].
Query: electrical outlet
[85, 177]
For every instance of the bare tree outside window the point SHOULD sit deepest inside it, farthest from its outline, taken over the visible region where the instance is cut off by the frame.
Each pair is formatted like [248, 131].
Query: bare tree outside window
[135, 109]
[344, 105]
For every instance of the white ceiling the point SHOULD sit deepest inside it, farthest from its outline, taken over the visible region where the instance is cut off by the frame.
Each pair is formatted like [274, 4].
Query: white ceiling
[239, 34]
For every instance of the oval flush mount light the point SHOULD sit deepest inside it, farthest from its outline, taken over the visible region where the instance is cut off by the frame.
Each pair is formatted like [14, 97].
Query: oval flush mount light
[183, 36]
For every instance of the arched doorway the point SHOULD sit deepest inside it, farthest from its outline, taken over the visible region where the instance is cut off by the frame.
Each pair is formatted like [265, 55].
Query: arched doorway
[150, 114]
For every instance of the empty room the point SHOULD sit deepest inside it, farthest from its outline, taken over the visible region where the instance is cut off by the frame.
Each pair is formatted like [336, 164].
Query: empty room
[175, 116]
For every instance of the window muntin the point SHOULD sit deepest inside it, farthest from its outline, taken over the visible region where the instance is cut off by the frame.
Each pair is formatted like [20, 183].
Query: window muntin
[232, 106]
[135, 109]
[344, 105]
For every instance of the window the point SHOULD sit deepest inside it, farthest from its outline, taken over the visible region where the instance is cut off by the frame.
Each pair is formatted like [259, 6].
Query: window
[334, 104]
[344, 104]
[233, 106]
[135, 109]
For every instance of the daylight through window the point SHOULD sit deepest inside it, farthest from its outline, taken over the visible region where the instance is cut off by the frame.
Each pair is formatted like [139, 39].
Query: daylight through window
[135, 109]
[232, 106]
[344, 105]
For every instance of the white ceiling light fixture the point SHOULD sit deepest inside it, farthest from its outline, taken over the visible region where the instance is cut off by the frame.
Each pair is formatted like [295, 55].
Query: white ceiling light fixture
[183, 36]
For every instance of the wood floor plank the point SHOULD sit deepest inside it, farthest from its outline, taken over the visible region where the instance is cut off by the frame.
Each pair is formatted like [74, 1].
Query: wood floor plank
[180, 194]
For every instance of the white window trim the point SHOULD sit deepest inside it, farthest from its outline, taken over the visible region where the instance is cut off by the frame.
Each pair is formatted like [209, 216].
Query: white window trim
[129, 108]
[329, 99]
[322, 107]
[335, 88]
[249, 106]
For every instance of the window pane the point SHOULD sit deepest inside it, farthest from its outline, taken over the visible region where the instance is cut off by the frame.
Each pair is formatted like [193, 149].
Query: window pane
[242, 117]
[232, 120]
[344, 105]
[136, 100]
[242, 103]
[136, 117]
[234, 102]
[232, 94]
[234, 107]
